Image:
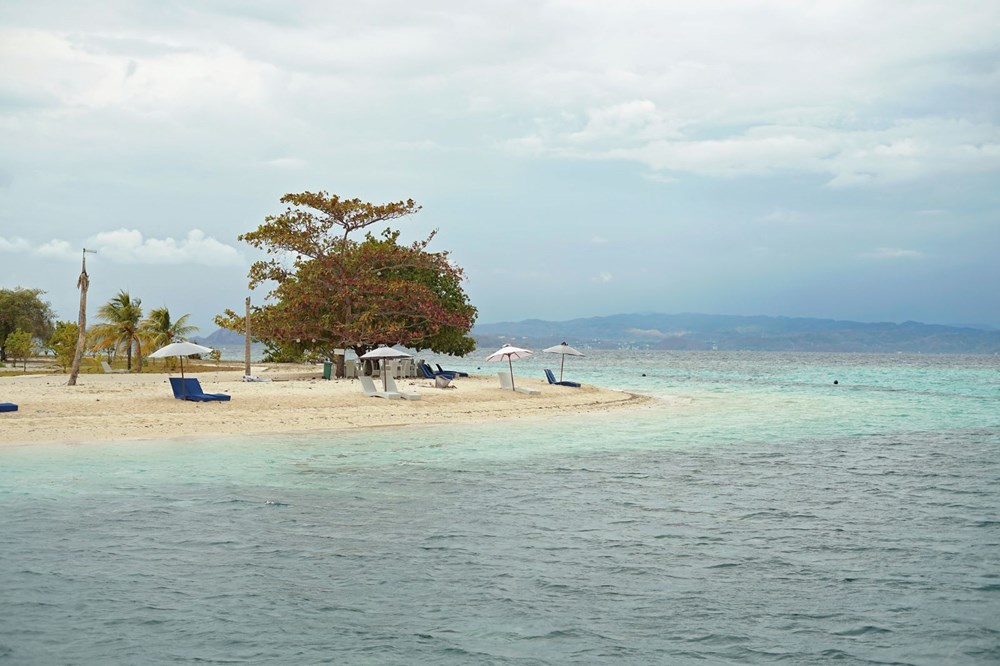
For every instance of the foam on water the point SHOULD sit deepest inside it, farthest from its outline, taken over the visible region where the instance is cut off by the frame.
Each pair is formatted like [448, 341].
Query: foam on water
[758, 513]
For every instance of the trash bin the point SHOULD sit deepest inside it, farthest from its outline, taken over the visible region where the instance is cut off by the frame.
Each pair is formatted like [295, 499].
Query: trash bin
[327, 367]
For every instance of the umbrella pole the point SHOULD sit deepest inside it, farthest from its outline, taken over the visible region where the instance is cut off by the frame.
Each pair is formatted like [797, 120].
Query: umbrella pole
[511, 366]
[182, 367]
[561, 364]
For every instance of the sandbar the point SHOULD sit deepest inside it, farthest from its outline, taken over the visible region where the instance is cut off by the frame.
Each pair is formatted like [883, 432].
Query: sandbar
[116, 407]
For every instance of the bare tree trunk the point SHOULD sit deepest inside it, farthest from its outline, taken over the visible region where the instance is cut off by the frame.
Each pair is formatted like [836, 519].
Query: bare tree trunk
[83, 283]
[246, 342]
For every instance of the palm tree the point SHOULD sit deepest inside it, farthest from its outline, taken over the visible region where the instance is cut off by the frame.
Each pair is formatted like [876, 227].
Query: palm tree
[122, 315]
[158, 330]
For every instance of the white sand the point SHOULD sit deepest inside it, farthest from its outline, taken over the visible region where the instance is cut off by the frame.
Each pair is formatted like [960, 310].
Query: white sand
[130, 406]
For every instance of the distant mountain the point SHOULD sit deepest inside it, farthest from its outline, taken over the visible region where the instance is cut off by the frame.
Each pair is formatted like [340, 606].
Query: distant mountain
[221, 336]
[732, 332]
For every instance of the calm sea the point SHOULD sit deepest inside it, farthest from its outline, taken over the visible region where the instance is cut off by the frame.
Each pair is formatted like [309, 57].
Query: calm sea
[755, 513]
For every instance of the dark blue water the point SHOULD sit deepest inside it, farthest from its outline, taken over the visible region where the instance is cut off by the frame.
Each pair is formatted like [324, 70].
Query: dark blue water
[652, 537]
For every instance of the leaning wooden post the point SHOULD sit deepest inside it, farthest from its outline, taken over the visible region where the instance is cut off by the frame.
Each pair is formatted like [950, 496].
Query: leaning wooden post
[82, 283]
[246, 343]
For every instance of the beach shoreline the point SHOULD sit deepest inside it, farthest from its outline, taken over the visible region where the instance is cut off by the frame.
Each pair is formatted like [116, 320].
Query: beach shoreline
[296, 400]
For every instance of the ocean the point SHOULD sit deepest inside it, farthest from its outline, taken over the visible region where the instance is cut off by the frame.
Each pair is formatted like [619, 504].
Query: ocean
[755, 512]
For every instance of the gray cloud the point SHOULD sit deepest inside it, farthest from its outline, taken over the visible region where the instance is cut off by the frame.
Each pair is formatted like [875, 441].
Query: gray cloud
[730, 154]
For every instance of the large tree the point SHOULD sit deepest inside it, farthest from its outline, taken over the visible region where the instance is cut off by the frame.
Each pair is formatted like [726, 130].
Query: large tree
[121, 316]
[333, 291]
[25, 310]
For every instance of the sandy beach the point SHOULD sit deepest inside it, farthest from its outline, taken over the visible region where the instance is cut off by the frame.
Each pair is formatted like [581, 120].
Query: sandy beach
[295, 400]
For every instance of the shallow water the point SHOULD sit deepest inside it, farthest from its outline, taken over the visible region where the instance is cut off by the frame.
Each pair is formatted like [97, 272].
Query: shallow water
[756, 513]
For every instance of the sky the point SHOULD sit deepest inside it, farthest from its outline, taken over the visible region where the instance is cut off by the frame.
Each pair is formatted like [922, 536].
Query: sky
[825, 158]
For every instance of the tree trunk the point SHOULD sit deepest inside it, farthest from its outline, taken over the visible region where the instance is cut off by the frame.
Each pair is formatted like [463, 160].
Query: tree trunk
[83, 283]
[246, 342]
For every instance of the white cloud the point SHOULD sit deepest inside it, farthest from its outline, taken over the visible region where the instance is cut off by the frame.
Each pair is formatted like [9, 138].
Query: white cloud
[287, 163]
[780, 215]
[14, 244]
[604, 276]
[628, 122]
[892, 253]
[128, 246]
[58, 249]
[904, 150]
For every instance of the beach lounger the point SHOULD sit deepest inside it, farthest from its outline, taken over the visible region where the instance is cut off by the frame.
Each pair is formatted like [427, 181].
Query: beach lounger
[368, 386]
[506, 384]
[552, 380]
[8, 407]
[441, 379]
[390, 386]
[456, 373]
[108, 370]
[189, 388]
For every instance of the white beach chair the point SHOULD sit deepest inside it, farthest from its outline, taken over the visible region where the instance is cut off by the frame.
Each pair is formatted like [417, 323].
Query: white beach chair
[506, 384]
[368, 386]
[390, 385]
[109, 370]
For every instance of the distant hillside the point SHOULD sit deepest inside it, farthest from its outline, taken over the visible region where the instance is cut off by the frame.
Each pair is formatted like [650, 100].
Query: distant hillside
[731, 332]
[221, 336]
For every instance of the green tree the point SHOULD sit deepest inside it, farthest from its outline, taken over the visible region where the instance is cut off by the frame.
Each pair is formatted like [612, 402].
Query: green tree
[25, 310]
[121, 315]
[161, 330]
[18, 346]
[63, 342]
[158, 330]
[340, 292]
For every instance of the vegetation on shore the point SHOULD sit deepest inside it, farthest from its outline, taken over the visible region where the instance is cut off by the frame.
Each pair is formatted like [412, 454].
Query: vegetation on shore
[332, 291]
[28, 330]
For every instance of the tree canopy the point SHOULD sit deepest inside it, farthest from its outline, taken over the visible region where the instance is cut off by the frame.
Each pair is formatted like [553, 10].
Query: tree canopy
[23, 309]
[121, 328]
[63, 342]
[333, 291]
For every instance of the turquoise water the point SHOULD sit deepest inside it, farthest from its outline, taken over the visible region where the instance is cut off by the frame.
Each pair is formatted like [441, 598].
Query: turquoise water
[756, 512]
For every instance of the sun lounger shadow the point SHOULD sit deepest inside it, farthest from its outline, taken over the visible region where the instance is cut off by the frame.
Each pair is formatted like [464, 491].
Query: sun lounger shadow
[552, 380]
[189, 388]
[390, 386]
[8, 407]
[368, 386]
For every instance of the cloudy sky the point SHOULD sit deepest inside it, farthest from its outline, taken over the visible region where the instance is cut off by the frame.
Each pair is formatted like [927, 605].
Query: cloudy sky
[824, 158]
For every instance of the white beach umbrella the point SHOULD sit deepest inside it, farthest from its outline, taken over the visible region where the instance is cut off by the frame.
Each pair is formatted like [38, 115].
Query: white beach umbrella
[565, 350]
[180, 349]
[510, 353]
[383, 353]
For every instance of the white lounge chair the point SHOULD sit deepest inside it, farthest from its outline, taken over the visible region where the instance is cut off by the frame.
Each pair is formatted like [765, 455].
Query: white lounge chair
[368, 386]
[390, 385]
[108, 370]
[506, 384]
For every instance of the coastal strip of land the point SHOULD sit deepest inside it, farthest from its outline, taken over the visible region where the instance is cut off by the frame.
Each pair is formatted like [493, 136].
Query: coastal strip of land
[295, 399]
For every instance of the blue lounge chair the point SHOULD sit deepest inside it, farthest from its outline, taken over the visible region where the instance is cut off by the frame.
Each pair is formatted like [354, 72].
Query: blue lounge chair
[456, 373]
[433, 374]
[552, 380]
[8, 407]
[189, 388]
